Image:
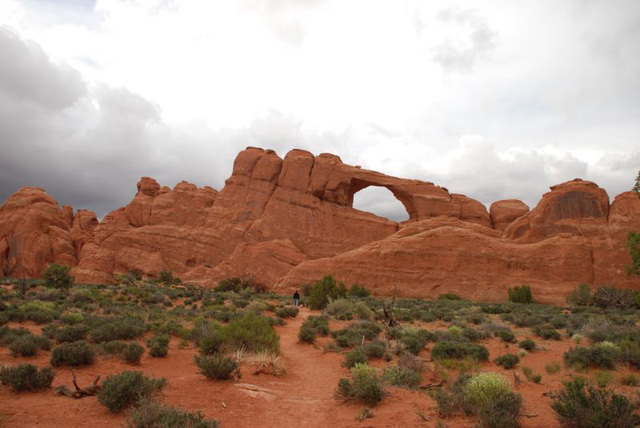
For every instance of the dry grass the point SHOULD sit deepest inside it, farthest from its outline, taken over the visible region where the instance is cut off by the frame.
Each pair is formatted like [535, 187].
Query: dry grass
[267, 362]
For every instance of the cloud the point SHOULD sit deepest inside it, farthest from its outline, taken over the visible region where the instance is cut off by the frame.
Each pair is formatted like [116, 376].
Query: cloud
[461, 53]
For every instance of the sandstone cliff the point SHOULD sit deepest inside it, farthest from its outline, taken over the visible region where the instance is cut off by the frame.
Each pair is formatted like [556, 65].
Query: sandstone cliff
[289, 221]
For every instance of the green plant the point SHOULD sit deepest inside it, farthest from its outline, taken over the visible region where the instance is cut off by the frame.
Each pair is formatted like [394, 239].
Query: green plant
[126, 389]
[28, 345]
[630, 380]
[26, 377]
[597, 356]
[287, 312]
[166, 277]
[365, 386]
[508, 361]
[506, 336]
[633, 244]
[158, 345]
[527, 344]
[492, 400]
[402, 376]
[357, 290]
[72, 333]
[603, 378]
[340, 309]
[217, 366]
[448, 296]
[253, 333]
[213, 339]
[234, 284]
[72, 353]
[356, 356]
[547, 331]
[152, 414]
[106, 329]
[133, 353]
[583, 406]
[580, 296]
[452, 399]
[57, 276]
[553, 367]
[459, 350]
[520, 294]
[324, 290]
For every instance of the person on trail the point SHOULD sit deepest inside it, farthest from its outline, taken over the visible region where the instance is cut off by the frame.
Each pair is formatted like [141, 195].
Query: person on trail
[296, 299]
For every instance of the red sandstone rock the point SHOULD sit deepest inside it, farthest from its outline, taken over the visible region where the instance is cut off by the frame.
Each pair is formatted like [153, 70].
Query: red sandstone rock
[503, 213]
[289, 221]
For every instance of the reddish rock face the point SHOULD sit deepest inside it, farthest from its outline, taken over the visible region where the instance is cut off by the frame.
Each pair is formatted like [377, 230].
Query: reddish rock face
[288, 221]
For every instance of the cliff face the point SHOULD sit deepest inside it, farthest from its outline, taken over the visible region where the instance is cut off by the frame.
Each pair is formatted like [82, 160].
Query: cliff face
[289, 221]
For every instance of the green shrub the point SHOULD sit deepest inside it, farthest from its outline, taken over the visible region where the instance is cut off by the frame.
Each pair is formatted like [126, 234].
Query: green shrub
[583, 406]
[413, 341]
[151, 414]
[166, 277]
[158, 345]
[358, 291]
[547, 332]
[72, 333]
[452, 399]
[520, 294]
[72, 353]
[126, 389]
[234, 284]
[287, 312]
[448, 296]
[374, 349]
[106, 329]
[603, 378]
[633, 244]
[553, 367]
[530, 376]
[307, 334]
[28, 345]
[508, 361]
[113, 347]
[492, 400]
[362, 311]
[356, 356]
[323, 290]
[57, 276]
[133, 353]
[365, 386]
[354, 333]
[402, 376]
[620, 298]
[38, 311]
[214, 339]
[340, 309]
[217, 366]
[26, 377]
[580, 296]
[506, 336]
[527, 344]
[253, 333]
[459, 350]
[604, 357]
[630, 380]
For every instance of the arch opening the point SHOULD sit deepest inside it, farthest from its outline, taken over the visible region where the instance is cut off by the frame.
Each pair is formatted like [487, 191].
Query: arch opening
[380, 201]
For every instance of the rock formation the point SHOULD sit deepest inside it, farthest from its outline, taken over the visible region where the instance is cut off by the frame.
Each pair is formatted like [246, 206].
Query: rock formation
[288, 221]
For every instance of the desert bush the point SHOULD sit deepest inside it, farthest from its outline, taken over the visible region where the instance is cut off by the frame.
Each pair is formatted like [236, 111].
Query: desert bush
[508, 361]
[287, 312]
[527, 344]
[506, 336]
[133, 353]
[374, 349]
[106, 329]
[213, 338]
[448, 296]
[112, 347]
[553, 367]
[530, 376]
[266, 362]
[547, 331]
[28, 345]
[324, 290]
[365, 386]
[167, 277]
[412, 340]
[452, 399]
[38, 311]
[355, 356]
[580, 296]
[152, 414]
[492, 400]
[580, 405]
[362, 311]
[520, 294]
[234, 284]
[353, 334]
[340, 309]
[604, 357]
[357, 290]
[26, 377]
[72, 353]
[620, 298]
[72, 318]
[72, 333]
[402, 376]
[126, 389]
[603, 378]
[458, 350]
[217, 366]
[253, 333]
[58, 276]
[630, 379]
[159, 345]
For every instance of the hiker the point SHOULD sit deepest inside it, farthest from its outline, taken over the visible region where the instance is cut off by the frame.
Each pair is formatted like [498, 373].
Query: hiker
[296, 299]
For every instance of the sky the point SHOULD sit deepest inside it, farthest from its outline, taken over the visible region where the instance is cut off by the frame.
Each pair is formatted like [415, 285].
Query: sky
[493, 99]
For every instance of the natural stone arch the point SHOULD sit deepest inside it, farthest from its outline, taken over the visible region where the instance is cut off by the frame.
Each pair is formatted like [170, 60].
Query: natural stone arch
[357, 185]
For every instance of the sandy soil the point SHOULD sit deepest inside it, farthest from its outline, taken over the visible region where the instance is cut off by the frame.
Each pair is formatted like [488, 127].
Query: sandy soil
[301, 398]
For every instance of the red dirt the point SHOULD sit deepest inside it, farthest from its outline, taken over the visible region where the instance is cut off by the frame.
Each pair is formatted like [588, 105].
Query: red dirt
[302, 397]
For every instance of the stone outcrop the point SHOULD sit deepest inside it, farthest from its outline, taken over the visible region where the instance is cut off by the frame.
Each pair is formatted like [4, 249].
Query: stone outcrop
[288, 221]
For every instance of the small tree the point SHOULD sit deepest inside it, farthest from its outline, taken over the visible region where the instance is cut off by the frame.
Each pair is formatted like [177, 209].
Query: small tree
[58, 276]
[520, 294]
[325, 290]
